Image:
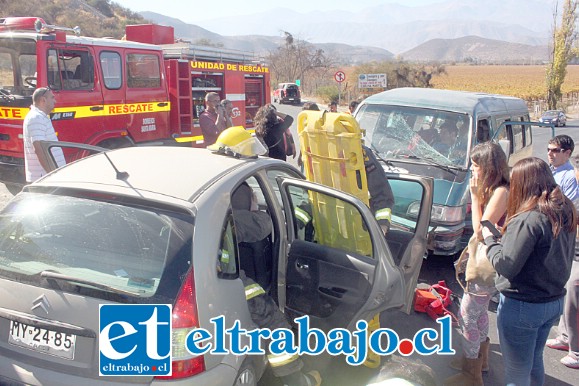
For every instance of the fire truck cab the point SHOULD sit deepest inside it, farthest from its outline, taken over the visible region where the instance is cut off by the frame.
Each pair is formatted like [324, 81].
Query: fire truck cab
[117, 93]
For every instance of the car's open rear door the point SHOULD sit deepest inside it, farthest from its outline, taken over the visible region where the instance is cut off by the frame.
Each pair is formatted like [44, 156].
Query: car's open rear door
[339, 268]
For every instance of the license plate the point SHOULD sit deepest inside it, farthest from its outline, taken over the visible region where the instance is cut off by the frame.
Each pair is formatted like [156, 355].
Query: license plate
[42, 340]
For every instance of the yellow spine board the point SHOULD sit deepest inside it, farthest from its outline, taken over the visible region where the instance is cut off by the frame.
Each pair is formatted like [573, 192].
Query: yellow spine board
[332, 154]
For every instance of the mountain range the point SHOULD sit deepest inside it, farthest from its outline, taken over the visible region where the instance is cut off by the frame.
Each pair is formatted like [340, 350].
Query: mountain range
[505, 31]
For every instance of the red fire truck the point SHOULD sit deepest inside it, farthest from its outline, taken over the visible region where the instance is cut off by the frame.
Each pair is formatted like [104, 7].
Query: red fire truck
[114, 93]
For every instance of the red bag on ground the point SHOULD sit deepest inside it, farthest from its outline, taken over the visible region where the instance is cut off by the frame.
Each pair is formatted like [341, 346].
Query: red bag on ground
[434, 300]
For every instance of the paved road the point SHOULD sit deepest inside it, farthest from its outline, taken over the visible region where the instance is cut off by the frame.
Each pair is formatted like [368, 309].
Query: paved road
[336, 373]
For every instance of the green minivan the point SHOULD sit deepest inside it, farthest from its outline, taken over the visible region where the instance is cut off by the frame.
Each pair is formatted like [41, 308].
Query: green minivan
[431, 132]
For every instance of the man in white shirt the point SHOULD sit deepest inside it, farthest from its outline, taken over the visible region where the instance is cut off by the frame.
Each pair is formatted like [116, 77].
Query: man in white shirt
[37, 127]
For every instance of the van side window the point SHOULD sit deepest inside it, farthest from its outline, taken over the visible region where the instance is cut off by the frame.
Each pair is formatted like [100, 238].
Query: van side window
[143, 71]
[504, 134]
[483, 131]
[518, 138]
[111, 69]
[70, 69]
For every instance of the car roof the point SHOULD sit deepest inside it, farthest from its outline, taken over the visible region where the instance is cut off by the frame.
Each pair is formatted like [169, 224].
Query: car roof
[170, 174]
[449, 100]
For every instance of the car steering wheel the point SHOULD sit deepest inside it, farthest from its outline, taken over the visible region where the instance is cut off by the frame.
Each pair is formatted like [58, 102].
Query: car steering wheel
[31, 81]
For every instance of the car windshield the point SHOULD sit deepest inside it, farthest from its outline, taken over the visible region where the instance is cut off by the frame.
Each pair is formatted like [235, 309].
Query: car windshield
[550, 113]
[399, 132]
[121, 249]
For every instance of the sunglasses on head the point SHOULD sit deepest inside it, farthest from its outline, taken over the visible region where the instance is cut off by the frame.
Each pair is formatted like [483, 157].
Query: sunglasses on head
[44, 91]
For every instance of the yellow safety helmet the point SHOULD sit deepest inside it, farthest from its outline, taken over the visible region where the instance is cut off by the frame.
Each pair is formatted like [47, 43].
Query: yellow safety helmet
[237, 141]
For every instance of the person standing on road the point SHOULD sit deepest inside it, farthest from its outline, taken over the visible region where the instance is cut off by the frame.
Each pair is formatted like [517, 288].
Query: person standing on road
[559, 150]
[489, 193]
[38, 127]
[353, 106]
[212, 121]
[270, 127]
[333, 107]
[533, 263]
[568, 328]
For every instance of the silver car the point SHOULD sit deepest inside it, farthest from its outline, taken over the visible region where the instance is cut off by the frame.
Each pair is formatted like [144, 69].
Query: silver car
[148, 226]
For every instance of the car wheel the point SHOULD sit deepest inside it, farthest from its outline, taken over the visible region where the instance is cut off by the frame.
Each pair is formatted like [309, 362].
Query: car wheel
[246, 375]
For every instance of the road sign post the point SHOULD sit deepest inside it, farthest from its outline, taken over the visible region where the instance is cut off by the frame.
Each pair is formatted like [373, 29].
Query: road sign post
[339, 77]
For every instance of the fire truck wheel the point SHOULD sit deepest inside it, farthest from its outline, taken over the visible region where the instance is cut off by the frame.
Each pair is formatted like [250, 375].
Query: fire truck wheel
[115, 143]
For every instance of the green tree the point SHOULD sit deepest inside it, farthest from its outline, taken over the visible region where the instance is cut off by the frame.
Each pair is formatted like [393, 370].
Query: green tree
[563, 38]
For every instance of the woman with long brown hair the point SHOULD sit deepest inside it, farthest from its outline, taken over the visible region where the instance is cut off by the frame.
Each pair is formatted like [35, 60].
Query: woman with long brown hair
[533, 262]
[270, 128]
[489, 189]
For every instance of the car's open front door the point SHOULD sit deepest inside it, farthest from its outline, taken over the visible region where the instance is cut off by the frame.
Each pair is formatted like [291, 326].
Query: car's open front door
[407, 237]
[339, 268]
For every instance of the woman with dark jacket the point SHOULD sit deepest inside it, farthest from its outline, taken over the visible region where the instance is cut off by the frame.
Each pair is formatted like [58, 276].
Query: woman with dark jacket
[533, 262]
[270, 126]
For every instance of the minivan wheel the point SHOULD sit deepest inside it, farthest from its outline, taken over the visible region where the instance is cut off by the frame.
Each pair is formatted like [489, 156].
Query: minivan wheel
[246, 376]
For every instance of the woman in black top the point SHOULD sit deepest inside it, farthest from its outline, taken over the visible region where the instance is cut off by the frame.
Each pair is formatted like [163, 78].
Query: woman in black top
[270, 126]
[533, 262]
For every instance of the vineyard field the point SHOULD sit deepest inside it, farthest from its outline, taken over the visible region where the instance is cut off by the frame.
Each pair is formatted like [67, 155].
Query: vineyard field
[526, 82]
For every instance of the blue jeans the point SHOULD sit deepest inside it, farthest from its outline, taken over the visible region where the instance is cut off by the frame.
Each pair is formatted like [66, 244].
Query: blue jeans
[523, 331]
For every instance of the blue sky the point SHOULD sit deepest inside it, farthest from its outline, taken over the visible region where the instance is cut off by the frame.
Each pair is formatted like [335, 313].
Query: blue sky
[197, 10]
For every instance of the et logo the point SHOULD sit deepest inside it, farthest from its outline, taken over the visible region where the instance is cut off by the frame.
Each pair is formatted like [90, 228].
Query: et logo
[135, 339]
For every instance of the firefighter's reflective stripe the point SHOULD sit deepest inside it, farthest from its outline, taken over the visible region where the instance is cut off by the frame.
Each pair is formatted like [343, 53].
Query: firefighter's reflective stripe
[302, 215]
[253, 290]
[73, 112]
[384, 214]
[281, 360]
[13, 112]
[137, 108]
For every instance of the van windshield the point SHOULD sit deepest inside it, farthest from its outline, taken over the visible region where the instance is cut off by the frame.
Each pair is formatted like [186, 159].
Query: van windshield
[399, 132]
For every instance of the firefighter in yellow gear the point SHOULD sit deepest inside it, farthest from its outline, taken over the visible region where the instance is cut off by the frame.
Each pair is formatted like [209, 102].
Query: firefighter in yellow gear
[265, 313]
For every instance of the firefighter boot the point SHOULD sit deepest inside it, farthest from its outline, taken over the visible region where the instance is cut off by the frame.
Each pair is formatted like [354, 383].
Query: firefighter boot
[470, 375]
[484, 352]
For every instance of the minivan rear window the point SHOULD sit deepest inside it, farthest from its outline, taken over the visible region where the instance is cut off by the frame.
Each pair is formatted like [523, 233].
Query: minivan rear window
[94, 245]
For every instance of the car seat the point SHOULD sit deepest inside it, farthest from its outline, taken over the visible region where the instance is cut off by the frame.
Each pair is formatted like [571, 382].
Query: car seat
[255, 258]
